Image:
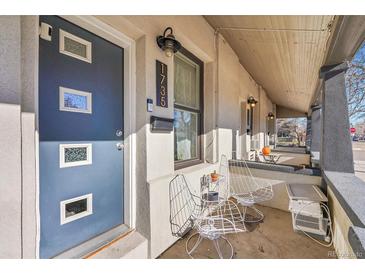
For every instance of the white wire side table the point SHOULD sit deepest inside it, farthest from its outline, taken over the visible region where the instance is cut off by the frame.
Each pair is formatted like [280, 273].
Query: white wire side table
[211, 215]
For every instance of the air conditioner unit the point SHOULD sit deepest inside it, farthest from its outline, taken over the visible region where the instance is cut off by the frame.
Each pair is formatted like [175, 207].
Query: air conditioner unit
[307, 216]
[305, 206]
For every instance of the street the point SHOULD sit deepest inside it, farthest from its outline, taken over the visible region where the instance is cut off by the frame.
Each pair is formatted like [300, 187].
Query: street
[359, 158]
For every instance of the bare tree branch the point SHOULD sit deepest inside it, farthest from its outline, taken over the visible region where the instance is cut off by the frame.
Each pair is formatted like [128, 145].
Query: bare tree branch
[355, 85]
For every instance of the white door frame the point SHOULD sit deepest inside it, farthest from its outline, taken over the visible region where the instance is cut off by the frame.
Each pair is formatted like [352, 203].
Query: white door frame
[107, 32]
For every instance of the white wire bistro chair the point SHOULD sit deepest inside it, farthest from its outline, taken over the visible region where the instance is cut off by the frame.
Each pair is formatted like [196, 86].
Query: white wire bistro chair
[245, 188]
[210, 220]
[271, 159]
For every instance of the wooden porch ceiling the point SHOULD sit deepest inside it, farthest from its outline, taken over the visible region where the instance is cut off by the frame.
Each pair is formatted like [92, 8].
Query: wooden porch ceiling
[282, 53]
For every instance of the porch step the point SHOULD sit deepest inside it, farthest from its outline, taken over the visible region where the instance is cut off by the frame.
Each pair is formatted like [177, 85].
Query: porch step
[132, 246]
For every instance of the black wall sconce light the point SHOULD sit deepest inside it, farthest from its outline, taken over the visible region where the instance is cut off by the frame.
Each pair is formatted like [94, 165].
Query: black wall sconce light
[270, 116]
[251, 101]
[168, 43]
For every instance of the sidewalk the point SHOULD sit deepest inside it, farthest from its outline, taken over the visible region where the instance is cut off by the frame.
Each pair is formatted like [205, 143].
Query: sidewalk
[360, 169]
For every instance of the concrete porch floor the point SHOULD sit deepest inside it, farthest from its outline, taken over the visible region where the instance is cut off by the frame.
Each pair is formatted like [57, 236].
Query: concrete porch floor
[272, 239]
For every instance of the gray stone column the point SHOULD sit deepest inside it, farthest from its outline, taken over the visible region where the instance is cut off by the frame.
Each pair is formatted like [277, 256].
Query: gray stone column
[308, 136]
[316, 129]
[336, 147]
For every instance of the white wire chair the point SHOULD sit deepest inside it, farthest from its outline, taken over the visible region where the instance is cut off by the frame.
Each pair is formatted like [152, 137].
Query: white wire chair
[212, 220]
[245, 188]
[271, 159]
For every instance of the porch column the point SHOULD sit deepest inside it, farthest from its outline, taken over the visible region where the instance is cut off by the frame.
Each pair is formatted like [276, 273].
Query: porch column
[316, 129]
[308, 135]
[336, 149]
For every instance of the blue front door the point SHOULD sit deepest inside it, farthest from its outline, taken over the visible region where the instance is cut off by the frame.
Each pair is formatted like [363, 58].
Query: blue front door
[80, 136]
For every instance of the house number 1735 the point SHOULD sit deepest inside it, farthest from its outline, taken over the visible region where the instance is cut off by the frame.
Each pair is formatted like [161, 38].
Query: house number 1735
[161, 85]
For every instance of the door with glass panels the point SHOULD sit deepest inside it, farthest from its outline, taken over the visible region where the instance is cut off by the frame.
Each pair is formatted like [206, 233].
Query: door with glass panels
[188, 109]
[80, 136]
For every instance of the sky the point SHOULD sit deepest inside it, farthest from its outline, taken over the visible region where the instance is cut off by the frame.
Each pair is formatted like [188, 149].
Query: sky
[360, 52]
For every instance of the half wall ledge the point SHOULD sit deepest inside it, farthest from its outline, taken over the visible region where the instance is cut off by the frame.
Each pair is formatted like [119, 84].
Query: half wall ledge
[356, 236]
[283, 168]
[349, 190]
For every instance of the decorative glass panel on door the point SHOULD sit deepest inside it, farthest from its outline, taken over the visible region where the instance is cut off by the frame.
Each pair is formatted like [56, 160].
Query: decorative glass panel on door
[75, 46]
[75, 100]
[75, 155]
[76, 208]
[186, 82]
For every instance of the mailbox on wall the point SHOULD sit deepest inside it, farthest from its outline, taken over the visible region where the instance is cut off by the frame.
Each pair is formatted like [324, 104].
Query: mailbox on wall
[159, 124]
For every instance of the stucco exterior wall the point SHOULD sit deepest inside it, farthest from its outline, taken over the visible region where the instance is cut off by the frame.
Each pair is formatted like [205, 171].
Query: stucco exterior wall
[235, 86]
[142, 196]
[265, 107]
[341, 225]
[10, 138]
[29, 104]
[10, 182]
[18, 90]
[29, 186]
[29, 59]
[10, 59]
